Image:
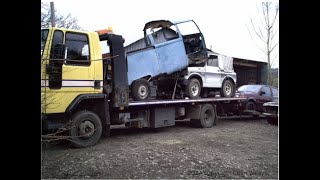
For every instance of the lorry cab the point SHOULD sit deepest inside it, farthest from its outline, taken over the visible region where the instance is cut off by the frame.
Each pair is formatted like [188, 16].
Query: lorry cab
[74, 82]
[72, 65]
[68, 67]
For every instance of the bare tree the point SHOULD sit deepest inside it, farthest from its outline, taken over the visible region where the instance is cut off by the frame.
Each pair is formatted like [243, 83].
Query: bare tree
[266, 32]
[67, 21]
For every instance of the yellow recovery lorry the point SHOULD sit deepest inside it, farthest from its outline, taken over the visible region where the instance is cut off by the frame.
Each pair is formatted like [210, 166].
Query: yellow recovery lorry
[84, 91]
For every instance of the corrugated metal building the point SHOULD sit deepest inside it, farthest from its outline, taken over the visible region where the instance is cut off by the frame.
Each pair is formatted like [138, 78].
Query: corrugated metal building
[250, 71]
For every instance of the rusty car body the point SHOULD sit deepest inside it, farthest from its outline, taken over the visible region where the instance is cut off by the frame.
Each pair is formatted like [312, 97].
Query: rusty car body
[166, 47]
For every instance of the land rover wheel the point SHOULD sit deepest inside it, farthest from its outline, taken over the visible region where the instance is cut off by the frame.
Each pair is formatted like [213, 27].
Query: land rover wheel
[227, 89]
[140, 89]
[193, 88]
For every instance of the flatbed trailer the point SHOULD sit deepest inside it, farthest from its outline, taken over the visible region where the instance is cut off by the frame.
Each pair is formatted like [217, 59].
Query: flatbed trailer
[202, 112]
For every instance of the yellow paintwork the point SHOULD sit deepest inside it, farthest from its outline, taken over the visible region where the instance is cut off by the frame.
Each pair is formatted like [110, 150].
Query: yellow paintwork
[57, 100]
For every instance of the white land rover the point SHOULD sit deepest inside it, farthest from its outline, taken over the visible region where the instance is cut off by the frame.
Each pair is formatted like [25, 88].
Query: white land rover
[216, 74]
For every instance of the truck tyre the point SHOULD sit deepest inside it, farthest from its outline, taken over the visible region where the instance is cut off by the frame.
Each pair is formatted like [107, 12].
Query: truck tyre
[207, 116]
[193, 88]
[227, 89]
[140, 89]
[86, 129]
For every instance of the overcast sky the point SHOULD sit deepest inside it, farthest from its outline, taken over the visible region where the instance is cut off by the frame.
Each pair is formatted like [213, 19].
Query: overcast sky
[223, 22]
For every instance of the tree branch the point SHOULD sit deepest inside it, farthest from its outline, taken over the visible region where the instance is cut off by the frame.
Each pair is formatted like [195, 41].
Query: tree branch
[267, 36]
[257, 32]
[249, 31]
[273, 47]
[275, 17]
[61, 21]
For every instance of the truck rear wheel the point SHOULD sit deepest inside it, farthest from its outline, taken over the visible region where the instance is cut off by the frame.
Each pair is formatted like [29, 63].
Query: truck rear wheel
[193, 88]
[86, 129]
[207, 117]
[140, 89]
[227, 89]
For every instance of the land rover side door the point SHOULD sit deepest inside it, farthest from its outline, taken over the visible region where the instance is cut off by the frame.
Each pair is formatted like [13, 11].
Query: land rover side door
[212, 73]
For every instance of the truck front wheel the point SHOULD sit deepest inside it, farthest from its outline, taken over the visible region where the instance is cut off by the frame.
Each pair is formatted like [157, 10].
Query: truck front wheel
[86, 129]
[193, 88]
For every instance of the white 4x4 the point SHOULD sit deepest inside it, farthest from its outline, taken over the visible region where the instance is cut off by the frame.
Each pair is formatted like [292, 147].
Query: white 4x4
[216, 74]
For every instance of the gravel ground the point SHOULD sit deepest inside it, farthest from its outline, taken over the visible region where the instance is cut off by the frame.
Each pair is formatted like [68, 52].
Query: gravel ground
[232, 149]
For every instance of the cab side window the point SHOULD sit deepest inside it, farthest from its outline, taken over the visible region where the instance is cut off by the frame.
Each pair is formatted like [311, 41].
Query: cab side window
[213, 61]
[55, 77]
[57, 39]
[78, 49]
[44, 35]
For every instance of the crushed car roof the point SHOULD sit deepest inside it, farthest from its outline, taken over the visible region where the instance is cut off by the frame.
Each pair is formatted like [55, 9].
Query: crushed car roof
[162, 23]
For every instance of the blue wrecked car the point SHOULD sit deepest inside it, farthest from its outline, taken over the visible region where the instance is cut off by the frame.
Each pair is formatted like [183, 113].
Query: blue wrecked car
[166, 48]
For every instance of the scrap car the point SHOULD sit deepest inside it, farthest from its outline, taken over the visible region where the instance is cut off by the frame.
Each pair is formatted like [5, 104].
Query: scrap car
[173, 56]
[256, 95]
[165, 48]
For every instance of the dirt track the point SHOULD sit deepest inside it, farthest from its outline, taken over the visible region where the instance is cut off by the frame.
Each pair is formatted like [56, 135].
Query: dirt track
[232, 149]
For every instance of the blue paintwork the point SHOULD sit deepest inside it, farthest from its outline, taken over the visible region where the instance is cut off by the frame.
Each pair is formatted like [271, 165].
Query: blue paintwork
[167, 57]
[141, 64]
